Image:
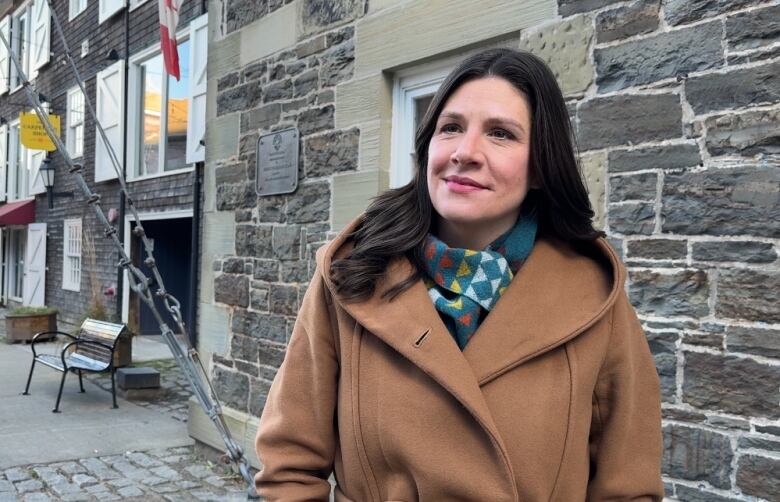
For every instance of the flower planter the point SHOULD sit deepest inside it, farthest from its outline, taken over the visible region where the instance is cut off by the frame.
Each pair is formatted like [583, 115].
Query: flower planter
[23, 327]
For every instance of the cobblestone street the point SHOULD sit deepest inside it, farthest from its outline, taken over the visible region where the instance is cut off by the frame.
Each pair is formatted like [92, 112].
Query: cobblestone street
[175, 474]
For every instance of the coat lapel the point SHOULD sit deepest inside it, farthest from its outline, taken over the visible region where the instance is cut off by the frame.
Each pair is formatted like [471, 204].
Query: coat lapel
[556, 294]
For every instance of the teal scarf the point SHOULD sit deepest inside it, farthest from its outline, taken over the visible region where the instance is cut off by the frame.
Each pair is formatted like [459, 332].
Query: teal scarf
[465, 284]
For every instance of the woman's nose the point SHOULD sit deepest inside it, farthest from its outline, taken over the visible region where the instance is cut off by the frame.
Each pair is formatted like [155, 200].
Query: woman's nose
[468, 150]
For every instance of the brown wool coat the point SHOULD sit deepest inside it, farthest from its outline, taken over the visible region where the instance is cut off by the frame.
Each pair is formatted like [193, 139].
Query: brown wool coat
[555, 398]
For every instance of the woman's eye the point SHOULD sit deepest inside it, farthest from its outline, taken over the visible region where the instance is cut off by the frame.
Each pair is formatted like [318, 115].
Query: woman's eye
[450, 128]
[501, 134]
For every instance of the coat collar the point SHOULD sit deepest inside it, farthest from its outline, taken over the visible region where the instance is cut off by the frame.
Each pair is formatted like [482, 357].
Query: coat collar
[556, 295]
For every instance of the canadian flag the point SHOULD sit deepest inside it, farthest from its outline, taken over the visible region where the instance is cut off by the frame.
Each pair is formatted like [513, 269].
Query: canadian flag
[169, 18]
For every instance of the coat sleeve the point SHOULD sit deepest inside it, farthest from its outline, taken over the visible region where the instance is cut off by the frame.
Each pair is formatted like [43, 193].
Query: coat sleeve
[626, 443]
[296, 438]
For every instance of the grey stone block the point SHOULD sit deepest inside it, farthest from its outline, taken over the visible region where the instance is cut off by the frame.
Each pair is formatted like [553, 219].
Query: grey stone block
[748, 30]
[633, 187]
[749, 133]
[310, 203]
[632, 219]
[744, 251]
[738, 201]
[258, 325]
[315, 120]
[731, 384]
[232, 289]
[752, 295]
[319, 15]
[698, 455]
[627, 119]
[569, 7]
[625, 21]
[239, 13]
[662, 346]
[657, 157]
[331, 152]
[759, 476]
[658, 249]
[688, 11]
[762, 342]
[138, 378]
[671, 294]
[663, 56]
[735, 89]
[232, 388]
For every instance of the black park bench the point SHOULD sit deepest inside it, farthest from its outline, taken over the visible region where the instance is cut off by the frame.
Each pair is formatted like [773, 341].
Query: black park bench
[91, 350]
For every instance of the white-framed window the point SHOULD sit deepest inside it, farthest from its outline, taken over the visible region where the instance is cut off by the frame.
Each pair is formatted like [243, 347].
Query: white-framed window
[107, 8]
[76, 8]
[16, 248]
[75, 123]
[18, 168]
[168, 117]
[30, 30]
[413, 91]
[136, 3]
[71, 255]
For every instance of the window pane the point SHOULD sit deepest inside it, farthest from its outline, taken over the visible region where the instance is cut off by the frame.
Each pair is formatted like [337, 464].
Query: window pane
[151, 99]
[177, 112]
[421, 105]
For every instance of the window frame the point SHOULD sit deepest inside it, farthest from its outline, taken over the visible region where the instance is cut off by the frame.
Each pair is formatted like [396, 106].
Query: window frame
[135, 102]
[17, 152]
[70, 135]
[69, 226]
[73, 15]
[16, 236]
[15, 83]
[134, 4]
[409, 85]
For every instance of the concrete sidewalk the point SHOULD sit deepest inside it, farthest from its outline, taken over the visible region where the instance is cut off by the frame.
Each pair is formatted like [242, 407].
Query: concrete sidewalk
[88, 426]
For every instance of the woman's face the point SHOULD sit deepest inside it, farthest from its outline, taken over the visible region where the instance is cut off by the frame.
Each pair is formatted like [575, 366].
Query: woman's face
[478, 156]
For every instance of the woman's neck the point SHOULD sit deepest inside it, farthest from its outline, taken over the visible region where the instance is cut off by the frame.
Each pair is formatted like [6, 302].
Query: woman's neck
[476, 236]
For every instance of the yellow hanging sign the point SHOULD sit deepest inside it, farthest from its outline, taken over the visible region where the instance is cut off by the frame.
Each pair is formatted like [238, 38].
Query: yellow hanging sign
[34, 136]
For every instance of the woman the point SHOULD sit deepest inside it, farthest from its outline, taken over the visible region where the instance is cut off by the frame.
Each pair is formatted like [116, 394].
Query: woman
[469, 338]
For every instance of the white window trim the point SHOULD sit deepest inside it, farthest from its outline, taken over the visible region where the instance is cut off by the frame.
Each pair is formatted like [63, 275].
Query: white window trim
[12, 278]
[67, 227]
[134, 4]
[13, 73]
[408, 85]
[71, 15]
[69, 136]
[13, 169]
[134, 133]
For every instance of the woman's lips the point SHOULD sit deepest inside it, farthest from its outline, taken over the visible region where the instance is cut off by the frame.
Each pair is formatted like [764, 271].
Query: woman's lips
[461, 188]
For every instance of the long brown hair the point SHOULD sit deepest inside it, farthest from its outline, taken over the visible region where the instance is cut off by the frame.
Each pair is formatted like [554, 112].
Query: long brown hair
[398, 220]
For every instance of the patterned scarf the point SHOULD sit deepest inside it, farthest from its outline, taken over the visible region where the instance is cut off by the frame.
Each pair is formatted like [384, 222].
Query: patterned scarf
[465, 284]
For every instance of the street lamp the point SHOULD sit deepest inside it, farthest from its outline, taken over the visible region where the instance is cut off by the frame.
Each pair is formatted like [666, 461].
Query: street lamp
[46, 173]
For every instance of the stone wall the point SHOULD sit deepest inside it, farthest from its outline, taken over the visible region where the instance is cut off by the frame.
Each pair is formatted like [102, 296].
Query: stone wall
[676, 105]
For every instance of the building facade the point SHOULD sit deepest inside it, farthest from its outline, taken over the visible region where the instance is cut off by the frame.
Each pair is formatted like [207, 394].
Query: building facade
[676, 106]
[61, 257]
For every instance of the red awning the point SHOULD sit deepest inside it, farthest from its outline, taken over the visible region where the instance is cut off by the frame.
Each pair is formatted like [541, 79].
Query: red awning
[18, 213]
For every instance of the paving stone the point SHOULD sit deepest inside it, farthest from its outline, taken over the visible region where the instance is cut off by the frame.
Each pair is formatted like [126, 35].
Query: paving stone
[187, 484]
[215, 481]
[143, 459]
[49, 475]
[164, 472]
[198, 471]
[75, 497]
[83, 480]
[63, 488]
[106, 496]
[165, 488]
[70, 467]
[100, 488]
[129, 470]
[121, 482]
[37, 497]
[30, 485]
[153, 481]
[16, 474]
[99, 468]
[130, 491]
[6, 486]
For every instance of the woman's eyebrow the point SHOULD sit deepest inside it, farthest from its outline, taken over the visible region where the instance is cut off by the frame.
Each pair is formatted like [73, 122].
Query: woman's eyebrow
[491, 121]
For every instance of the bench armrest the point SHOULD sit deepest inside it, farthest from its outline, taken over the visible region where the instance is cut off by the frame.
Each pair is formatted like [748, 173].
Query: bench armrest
[56, 333]
[87, 342]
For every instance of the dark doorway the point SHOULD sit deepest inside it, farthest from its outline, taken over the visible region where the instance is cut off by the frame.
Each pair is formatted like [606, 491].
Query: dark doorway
[171, 247]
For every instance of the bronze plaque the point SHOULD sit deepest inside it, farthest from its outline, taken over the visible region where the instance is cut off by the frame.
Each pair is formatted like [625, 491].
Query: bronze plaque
[277, 162]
